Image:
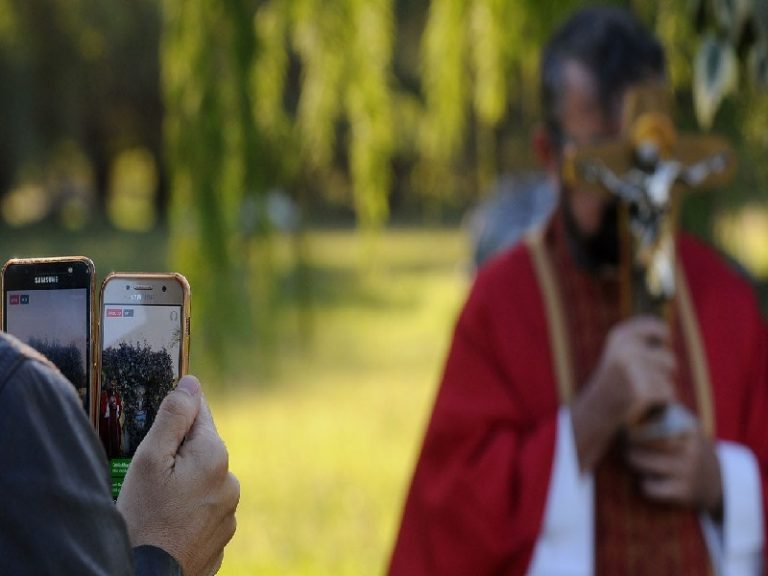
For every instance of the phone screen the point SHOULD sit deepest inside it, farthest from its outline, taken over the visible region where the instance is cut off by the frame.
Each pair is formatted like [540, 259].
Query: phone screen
[141, 360]
[48, 306]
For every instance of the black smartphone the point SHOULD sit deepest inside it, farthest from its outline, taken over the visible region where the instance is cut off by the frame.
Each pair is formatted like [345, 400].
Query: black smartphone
[144, 333]
[48, 304]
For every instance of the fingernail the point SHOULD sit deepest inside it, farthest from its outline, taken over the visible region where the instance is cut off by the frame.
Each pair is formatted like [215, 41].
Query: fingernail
[189, 385]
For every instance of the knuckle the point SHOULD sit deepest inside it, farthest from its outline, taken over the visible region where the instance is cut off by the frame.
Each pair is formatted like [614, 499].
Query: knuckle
[144, 462]
[220, 459]
[231, 528]
[225, 532]
[215, 458]
[233, 485]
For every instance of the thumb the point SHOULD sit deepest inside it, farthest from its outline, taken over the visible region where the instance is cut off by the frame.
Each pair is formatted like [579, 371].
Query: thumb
[175, 417]
[203, 424]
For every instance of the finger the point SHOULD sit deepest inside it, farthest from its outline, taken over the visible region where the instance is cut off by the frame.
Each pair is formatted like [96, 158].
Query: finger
[655, 384]
[649, 365]
[218, 541]
[674, 447]
[651, 462]
[217, 564]
[662, 489]
[232, 494]
[204, 419]
[670, 445]
[660, 359]
[652, 382]
[653, 393]
[202, 435]
[175, 417]
[204, 449]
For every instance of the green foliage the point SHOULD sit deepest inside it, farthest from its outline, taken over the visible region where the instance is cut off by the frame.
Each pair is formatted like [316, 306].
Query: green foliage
[80, 73]
[235, 131]
[8, 23]
[210, 134]
[723, 40]
[344, 50]
[369, 109]
[732, 38]
[445, 88]
[676, 30]
[716, 76]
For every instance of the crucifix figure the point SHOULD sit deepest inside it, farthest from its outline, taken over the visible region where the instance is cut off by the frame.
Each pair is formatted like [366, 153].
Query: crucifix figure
[648, 170]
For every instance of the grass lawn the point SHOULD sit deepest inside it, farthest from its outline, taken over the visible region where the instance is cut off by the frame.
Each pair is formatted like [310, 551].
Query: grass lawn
[324, 450]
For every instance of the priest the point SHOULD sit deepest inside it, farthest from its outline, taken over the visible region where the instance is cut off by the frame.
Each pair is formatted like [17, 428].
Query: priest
[531, 463]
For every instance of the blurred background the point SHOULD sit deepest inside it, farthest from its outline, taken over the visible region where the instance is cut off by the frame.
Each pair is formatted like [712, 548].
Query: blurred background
[314, 168]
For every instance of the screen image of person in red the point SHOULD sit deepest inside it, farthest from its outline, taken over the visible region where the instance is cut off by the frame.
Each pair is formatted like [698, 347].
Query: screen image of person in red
[110, 424]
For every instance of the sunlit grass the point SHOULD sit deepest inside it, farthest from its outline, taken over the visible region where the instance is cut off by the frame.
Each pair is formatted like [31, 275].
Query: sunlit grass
[324, 451]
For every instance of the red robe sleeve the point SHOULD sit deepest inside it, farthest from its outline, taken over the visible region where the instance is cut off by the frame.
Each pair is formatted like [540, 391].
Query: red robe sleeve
[478, 493]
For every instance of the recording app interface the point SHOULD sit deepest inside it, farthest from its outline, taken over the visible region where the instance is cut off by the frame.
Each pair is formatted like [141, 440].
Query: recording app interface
[140, 360]
[54, 322]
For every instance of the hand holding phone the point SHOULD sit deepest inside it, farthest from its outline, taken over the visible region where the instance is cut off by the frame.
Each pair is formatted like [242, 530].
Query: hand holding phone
[181, 474]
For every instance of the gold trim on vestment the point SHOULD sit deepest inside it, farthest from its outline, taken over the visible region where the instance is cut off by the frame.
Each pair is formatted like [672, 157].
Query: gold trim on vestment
[555, 317]
[697, 358]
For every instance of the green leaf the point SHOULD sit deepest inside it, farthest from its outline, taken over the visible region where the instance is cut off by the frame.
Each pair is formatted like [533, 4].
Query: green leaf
[731, 15]
[715, 76]
[696, 12]
[760, 17]
[9, 25]
[757, 64]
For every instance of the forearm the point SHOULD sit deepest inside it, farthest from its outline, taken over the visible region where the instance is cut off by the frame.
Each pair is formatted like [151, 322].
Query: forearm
[594, 427]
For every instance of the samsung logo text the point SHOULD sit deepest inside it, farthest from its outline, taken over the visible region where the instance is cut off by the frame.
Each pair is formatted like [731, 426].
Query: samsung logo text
[46, 279]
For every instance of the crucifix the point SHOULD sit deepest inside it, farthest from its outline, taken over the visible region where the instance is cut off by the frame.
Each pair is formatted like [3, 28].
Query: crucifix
[648, 169]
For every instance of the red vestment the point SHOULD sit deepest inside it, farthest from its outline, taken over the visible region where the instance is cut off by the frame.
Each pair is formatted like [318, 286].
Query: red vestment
[110, 430]
[478, 493]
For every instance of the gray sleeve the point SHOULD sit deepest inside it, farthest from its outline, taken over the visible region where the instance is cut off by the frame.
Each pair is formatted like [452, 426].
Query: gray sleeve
[56, 510]
[153, 561]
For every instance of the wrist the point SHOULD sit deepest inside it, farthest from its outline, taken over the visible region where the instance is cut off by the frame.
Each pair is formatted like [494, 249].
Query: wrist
[595, 424]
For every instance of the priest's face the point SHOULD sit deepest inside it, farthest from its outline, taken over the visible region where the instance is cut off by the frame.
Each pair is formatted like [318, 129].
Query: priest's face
[591, 218]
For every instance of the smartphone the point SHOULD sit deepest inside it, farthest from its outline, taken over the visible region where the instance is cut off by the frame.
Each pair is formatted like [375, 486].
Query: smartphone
[48, 304]
[144, 350]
